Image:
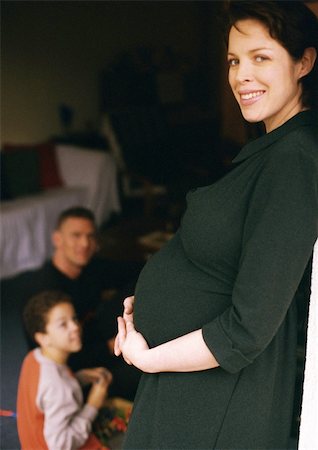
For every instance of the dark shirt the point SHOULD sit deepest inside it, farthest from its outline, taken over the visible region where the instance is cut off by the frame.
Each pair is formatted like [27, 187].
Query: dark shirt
[88, 288]
[97, 314]
[233, 269]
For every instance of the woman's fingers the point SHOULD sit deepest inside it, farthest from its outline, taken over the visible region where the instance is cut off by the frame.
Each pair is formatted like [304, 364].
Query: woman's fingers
[129, 326]
[121, 335]
[122, 332]
[117, 350]
[123, 329]
[129, 307]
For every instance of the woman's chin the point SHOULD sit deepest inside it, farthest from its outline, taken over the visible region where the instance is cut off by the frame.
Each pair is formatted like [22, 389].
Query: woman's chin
[251, 118]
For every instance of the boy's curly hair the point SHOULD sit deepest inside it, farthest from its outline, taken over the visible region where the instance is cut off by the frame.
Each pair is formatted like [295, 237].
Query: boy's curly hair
[35, 314]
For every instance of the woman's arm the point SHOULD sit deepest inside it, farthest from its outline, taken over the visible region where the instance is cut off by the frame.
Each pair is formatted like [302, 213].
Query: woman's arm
[187, 353]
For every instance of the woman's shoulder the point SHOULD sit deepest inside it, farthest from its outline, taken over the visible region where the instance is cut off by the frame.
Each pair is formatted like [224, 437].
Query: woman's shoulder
[299, 146]
[298, 134]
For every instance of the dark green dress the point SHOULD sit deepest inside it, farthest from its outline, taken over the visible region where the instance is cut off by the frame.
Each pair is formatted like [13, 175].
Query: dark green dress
[233, 269]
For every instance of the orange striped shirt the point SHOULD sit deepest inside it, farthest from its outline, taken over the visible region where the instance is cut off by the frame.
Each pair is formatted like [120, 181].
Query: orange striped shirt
[45, 384]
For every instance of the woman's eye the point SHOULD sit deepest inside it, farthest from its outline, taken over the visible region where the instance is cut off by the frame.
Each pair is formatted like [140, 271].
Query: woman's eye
[260, 58]
[233, 62]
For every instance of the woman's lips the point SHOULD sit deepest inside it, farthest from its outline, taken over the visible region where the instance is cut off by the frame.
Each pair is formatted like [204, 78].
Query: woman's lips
[250, 97]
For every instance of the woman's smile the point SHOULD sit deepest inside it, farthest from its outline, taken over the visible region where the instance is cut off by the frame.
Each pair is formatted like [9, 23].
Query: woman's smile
[249, 97]
[263, 76]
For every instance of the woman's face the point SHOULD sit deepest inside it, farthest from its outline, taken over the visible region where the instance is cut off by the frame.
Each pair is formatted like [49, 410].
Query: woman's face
[263, 76]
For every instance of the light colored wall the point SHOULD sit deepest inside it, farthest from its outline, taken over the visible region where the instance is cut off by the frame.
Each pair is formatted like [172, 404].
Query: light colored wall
[53, 52]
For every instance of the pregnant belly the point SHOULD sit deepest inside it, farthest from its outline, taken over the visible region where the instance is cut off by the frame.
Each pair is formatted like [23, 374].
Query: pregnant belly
[173, 297]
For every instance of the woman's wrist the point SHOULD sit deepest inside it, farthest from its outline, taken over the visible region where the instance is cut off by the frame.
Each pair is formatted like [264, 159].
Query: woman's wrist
[188, 353]
[147, 361]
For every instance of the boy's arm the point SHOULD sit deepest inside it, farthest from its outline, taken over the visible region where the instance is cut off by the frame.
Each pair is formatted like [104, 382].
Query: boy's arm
[67, 423]
[93, 374]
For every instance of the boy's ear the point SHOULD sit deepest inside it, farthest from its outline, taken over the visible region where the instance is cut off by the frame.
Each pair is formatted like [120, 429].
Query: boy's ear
[41, 339]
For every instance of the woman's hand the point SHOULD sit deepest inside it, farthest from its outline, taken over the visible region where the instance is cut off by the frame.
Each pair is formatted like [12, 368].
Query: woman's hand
[129, 343]
[132, 345]
[129, 308]
[187, 353]
[128, 316]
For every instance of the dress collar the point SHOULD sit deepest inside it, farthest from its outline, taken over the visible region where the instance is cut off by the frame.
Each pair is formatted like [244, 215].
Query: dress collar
[301, 119]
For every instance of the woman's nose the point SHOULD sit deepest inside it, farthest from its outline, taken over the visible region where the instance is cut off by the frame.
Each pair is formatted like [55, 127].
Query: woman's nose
[244, 72]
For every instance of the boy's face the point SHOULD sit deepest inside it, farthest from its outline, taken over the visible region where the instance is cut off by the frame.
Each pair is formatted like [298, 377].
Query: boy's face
[63, 332]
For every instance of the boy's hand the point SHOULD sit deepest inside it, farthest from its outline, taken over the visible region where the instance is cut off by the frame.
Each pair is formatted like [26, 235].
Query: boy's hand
[88, 376]
[98, 392]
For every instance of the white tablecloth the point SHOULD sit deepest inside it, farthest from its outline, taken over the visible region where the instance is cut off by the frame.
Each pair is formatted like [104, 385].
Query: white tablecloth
[26, 227]
[96, 170]
[90, 179]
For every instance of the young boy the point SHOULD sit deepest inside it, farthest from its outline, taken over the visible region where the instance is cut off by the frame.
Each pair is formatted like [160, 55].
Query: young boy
[50, 410]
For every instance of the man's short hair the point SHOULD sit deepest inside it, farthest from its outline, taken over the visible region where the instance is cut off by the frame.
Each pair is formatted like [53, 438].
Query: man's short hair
[75, 212]
[38, 307]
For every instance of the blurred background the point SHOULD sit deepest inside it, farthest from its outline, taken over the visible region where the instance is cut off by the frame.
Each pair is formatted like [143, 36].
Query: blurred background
[121, 106]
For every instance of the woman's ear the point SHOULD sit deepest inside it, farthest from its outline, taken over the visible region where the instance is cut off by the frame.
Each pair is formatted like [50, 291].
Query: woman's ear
[307, 61]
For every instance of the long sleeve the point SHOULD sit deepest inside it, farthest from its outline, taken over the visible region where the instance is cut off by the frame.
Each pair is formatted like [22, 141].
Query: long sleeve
[279, 233]
[67, 423]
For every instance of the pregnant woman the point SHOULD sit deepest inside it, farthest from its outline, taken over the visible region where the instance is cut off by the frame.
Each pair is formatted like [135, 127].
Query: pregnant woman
[214, 322]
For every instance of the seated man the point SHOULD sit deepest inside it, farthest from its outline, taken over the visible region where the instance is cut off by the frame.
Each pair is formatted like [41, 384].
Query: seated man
[76, 270]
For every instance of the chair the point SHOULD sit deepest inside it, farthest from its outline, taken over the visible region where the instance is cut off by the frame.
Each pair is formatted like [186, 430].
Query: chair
[139, 143]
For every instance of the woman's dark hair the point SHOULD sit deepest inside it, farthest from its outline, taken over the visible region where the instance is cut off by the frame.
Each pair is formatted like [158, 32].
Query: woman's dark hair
[35, 314]
[291, 24]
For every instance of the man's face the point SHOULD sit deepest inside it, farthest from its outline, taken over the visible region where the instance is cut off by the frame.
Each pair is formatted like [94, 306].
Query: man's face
[75, 241]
